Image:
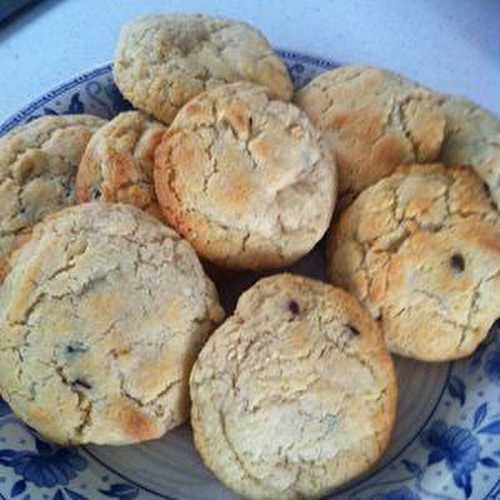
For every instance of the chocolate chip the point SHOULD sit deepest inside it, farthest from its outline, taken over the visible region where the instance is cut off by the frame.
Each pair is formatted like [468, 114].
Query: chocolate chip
[294, 307]
[487, 188]
[96, 194]
[79, 382]
[457, 262]
[68, 190]
[353, 331]
[75, 348]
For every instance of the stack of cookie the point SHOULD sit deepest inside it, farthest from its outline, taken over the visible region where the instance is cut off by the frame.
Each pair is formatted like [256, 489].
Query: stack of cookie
[110, 328]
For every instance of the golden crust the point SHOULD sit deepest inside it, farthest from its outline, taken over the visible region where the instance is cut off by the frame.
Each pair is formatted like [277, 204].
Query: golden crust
[472, 138]
[38, 165]
[117, 166]
[373, 121]
[102, 316]
[421, 250]
[245, 178]
[295, 393]
[163, 61]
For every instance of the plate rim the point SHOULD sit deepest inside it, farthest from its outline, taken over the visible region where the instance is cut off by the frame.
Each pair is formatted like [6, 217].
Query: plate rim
[13, 119]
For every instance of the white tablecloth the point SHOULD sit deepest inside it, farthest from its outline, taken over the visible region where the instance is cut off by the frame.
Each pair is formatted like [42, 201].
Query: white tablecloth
[451, 45]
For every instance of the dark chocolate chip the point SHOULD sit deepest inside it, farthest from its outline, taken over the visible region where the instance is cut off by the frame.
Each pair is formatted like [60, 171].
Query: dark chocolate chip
[68, 190]
[79, 382]
[353, 331]
[294, 307]
[457, 262]
[96, 194]
[486, 188]
[75, 348]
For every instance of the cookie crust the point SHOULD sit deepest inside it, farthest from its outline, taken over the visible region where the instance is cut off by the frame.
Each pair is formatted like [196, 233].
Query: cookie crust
[162, 62]
[421, 249]
[38, 165]
[245, 178]
[102, 316]
[295, 393]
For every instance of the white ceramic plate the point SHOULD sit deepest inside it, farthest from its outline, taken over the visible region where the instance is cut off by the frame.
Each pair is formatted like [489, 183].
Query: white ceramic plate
[446, 444]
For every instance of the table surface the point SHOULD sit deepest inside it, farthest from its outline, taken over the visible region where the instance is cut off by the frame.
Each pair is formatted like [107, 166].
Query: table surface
[450, 45]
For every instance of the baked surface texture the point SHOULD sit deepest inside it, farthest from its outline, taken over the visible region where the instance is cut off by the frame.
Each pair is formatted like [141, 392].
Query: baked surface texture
[38, 165]
[102, 316]
[421, 249]
[373, 120]
[161, 62]
[472, 138]
[245, 178]
[117, 166]
[295, 393]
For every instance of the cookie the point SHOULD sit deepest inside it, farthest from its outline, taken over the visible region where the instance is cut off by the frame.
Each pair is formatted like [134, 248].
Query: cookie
[245, 178]
[373, 121]
[38, 165]
[472, 137]
[295, 393]
[118, 163]
[421, 249]
[102, 317]
[163, 61]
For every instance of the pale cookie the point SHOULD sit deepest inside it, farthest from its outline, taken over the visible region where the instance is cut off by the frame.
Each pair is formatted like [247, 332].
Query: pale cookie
[373, 121]
[38, 165]
[472, 137]
[163, 61]
[102, 317]
[118, 163]
[295, 393]
[245, 178]
[421, 249]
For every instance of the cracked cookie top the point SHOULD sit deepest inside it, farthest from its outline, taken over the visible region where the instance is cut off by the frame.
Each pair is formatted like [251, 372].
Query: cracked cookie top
[163, 61]
[295, 393]
[245, 178]
[472, 138]
[38, 165]
[102, 317]
[421, 249]
[373, 121]
[118, 163]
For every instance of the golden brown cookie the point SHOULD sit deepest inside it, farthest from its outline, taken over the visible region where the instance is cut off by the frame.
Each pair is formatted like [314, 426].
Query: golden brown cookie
[245, 178]
[118, 163]
[38, 165]
[373, 120]
[472, 137]
[102, 317]
[421, 249]
[163, 61]
[295, 393]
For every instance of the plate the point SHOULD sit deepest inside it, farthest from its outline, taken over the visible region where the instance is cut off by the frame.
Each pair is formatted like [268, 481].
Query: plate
[446, 444]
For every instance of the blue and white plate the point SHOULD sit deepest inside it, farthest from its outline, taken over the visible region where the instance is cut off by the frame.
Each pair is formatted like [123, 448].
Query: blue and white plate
[446, 445]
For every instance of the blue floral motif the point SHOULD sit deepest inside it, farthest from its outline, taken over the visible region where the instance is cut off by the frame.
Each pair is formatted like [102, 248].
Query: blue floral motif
[403, 493]
[4, 408]
[457, 446]
[119, 103]
[75, 107]
[492, 367]
[48, 466]
[107, 97]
